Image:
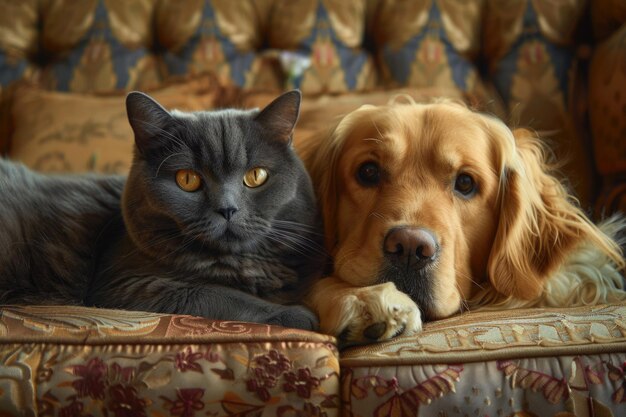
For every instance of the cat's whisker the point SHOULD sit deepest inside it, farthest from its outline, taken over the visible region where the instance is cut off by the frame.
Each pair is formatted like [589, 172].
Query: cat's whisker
[164, 160]
[297, 250]
[174, 138]
[297, 227]
[289, 236]
[298, 234]
[301, 241]
[297, 243]
[290, 222]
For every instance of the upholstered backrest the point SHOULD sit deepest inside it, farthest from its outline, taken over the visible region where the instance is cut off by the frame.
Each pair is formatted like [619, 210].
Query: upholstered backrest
[103, 46]
[520, 61]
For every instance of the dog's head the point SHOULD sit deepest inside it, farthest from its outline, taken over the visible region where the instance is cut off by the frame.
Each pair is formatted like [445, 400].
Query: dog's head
[442, 200]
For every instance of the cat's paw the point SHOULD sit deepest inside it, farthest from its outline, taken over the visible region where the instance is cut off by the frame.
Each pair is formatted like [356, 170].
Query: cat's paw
[377, 313]
[297, 317]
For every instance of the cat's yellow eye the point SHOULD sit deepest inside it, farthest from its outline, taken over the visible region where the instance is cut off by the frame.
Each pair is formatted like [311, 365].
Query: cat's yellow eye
[255, 177]
[188, 180]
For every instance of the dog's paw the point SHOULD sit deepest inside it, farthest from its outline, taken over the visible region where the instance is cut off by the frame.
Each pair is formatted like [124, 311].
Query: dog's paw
[297, 317]
[377, 313]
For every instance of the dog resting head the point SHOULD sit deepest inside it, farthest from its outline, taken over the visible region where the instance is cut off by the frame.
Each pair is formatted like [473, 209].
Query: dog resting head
[446, 203]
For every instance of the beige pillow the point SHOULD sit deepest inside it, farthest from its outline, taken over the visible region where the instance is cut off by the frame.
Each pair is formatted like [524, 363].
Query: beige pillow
[67, 132]
[318, 112]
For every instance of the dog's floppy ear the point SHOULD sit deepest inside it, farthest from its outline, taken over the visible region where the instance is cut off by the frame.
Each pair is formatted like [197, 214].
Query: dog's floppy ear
[539, 224]
[321, 155]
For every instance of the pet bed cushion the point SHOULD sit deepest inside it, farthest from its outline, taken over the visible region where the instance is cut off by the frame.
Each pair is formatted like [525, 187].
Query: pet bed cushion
[82, 361]
[544, 362]
[70, 132]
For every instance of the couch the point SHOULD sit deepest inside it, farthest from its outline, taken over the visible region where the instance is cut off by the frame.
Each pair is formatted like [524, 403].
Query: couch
[554, 66]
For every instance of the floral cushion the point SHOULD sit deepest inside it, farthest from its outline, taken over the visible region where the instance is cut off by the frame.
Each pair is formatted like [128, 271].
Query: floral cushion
[73, 361]
[551, 362]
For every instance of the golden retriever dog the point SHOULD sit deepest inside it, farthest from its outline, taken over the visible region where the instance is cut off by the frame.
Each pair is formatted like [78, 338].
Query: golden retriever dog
[432, 209]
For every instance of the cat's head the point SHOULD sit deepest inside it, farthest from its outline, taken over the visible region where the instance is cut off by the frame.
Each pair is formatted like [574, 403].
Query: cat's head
[224, 180]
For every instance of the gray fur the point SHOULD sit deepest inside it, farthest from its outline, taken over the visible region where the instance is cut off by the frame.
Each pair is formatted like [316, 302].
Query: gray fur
[142, 243]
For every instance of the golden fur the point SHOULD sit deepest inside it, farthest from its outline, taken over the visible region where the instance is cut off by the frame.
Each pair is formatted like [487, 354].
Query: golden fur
[519, 240]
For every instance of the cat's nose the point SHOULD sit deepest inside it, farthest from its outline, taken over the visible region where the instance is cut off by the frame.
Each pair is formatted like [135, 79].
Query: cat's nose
[227, 212]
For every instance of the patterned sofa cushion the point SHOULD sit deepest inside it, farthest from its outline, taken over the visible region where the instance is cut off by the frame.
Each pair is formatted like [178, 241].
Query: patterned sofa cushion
[321, 111]
[567, 362]
[69, 132]
[79, 361]
[525, 52]
[72, 361]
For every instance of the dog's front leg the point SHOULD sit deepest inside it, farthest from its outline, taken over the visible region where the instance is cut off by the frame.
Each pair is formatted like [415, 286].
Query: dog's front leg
[363, 314]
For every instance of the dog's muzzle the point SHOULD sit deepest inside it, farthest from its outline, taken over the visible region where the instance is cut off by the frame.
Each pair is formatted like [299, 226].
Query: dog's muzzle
[410, 253]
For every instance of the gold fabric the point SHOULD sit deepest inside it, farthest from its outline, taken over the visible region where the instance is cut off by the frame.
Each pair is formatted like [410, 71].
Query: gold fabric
[607, 16]
[461, 22]
[488, 336]
[18, 28]
[607, 103]
[67, 132]
[330, 34]
[547, 362]
[72, 360]
[324, 110]
[504, 25]
[530, 53]
[292, 22]
[431, 43]
[551, 362]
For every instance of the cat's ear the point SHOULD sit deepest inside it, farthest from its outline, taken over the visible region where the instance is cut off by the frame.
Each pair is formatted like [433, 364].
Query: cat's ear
[281, 115]
[147, 118]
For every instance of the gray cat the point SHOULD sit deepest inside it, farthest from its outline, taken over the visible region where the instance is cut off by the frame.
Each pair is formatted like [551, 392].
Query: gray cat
[217, 218]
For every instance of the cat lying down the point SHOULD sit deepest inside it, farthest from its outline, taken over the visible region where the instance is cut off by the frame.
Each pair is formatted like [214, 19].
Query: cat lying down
[217, 218]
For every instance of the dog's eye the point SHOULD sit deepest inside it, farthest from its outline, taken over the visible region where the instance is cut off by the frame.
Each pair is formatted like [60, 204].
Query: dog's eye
[368, 174]
[465, 185]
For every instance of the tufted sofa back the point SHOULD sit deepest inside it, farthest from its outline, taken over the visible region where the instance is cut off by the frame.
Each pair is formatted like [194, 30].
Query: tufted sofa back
[522, 59]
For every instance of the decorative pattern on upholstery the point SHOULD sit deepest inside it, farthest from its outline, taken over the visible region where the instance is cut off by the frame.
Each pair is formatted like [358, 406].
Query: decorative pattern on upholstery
[430, 43]
[67, 132]
[513, 333]
[607, 103]
[18, 39]
[330, 33]
[607, 16]
[203, 36]
[551, 362]
[101, 46]
[73, 361]
[342, 45]
[530, 51]
[565, 386]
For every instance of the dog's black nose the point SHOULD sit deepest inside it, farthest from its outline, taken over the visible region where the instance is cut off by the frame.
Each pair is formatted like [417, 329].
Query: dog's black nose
[413, 245]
